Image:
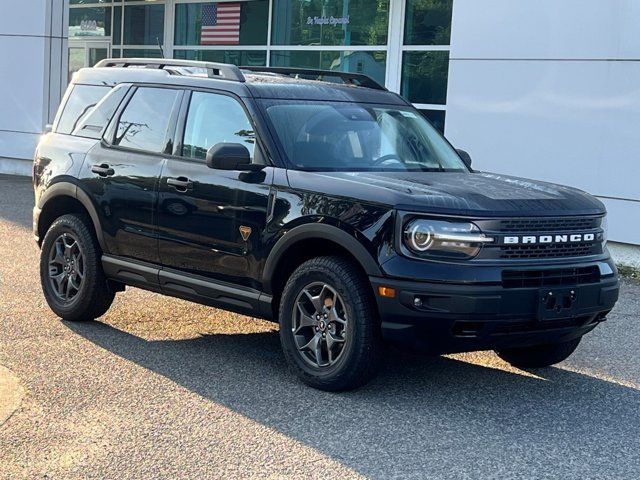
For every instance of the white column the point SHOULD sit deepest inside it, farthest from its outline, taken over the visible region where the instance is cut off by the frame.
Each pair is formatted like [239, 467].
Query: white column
[33, 66]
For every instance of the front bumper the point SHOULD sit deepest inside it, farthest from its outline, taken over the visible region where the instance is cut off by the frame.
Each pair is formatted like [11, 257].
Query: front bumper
[459, 317]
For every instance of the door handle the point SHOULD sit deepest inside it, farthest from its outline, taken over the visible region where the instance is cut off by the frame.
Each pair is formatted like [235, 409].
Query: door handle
[104, 170]
[181, 184]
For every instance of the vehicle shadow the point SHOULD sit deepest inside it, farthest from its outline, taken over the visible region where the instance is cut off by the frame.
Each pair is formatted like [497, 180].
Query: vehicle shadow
[422, 417]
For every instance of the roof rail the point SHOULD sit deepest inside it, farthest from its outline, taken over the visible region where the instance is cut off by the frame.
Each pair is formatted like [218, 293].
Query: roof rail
[214, 70]
[356, 79]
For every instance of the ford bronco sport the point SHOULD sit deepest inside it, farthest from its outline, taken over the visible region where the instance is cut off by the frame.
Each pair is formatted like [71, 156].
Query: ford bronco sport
[316, 199]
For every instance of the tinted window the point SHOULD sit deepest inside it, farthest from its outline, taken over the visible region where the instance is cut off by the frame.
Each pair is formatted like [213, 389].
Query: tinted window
[213, 119]
[94, 123]
[82, 99]
[144, 122]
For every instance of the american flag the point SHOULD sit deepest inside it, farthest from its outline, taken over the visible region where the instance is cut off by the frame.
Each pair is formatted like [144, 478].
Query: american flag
[220, 24]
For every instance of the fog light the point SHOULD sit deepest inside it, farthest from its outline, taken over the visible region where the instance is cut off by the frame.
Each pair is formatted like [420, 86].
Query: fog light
[417, 302]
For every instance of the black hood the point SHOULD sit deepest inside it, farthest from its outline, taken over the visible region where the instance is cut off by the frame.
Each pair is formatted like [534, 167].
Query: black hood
[454, 193]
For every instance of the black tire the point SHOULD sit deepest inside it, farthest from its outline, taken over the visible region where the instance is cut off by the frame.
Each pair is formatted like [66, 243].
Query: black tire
[94, 296]
[539, 356]
[359, 353]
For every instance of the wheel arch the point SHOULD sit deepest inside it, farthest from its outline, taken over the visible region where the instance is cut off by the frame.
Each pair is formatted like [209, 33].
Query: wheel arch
[293, 247]
[62, 198]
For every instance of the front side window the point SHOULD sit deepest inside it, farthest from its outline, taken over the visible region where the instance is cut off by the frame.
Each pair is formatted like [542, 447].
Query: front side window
[345, 136]
[213, 119]
[144, 122]
[81, 101]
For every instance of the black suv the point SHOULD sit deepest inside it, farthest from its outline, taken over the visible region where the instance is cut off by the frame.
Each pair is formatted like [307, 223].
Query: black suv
[316, 199]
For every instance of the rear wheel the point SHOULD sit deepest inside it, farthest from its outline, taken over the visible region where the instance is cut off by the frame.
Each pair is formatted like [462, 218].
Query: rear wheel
[71, 273]
[539, 356]
[329, 327]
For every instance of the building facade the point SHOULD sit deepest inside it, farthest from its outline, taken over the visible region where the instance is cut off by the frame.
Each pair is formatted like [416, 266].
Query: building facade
[536, 88]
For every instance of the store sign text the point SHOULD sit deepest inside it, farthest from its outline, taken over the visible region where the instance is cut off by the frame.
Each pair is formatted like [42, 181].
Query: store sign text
[328, 20]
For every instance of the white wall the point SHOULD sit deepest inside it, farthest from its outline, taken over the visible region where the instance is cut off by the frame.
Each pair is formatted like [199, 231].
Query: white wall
[33, 59]
[551, 90]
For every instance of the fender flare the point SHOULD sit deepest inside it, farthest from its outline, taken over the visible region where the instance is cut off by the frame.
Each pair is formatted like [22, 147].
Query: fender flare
[68, 189]
[315, 231]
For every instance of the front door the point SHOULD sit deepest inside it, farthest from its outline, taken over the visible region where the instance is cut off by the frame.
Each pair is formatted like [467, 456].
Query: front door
[211, 222]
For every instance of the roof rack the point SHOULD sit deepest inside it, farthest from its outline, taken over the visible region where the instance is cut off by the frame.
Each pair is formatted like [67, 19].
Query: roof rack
[214, 70]
[356, 79]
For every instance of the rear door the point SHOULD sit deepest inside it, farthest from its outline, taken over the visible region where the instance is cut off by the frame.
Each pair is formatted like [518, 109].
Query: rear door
[121, 173]
[211, 222]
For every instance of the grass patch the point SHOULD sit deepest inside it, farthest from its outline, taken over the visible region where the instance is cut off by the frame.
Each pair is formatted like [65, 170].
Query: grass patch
[628, 272]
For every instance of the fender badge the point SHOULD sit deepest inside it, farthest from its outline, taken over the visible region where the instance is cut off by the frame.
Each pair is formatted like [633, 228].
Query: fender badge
[245, 232]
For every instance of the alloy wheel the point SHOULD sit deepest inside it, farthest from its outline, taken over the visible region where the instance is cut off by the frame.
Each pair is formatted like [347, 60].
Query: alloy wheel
[66, 267]
[319, 324]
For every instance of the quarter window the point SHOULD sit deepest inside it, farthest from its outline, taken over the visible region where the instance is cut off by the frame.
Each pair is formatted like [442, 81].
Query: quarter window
[213, 119]
[144, 122]
[81, 101]
[95, 122]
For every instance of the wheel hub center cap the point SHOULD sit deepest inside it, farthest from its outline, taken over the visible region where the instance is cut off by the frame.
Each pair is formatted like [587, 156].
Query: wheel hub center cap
[322, 325]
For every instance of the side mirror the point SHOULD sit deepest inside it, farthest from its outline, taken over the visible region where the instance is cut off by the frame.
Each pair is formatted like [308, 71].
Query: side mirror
[466, 158]
[230, 156]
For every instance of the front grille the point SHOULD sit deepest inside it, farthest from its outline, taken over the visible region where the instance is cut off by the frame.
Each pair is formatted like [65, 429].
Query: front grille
[552, 277]
[555, 229]
[550, 250]
[559, 224]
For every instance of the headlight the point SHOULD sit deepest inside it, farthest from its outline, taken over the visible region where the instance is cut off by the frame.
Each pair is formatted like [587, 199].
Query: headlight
[443, 239]
[605, 230]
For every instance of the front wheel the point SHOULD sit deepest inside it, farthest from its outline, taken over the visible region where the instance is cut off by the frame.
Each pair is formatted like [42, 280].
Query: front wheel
[329, 326]
[539, 356]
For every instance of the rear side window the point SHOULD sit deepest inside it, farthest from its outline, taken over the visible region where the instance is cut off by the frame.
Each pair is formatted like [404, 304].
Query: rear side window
[95, 122]
[212, 119]
[82, 99]
[144, 122]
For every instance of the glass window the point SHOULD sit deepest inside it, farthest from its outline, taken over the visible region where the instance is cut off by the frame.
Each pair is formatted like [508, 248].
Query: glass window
[348, 136]
[236, 57]
[144, 122]
[214, 119]
[143, 24]
[424, 77]
[80, 2]
[436, 117]
[117, 26]
[140, 53]
[82, 99]
[94, 123]
[428, 22]
[330, 22]
[372, 64]
[76, 60]
[89, 22]
[223, 23]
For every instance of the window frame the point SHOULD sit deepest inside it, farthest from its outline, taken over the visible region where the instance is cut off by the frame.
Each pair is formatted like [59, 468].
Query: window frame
[110, 132]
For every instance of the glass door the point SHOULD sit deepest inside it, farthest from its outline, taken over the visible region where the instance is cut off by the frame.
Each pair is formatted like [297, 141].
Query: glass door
[87, 53]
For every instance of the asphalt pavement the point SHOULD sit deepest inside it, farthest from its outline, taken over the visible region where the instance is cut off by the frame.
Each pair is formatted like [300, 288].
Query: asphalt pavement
[161, 388]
